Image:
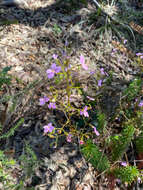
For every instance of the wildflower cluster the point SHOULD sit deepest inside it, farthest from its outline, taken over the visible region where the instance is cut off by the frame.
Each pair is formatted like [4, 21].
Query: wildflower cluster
[88, 129]
[45, 99]
[48, 128]
[63, 68]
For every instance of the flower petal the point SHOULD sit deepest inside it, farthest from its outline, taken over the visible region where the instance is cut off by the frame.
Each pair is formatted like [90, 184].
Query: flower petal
[42, 101]
[140, 104]
[100, 83]
[96, 132]
[82, 60]
[55, 56]
[124, 164]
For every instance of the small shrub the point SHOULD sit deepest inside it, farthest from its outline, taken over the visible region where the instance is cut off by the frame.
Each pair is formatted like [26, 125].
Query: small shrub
[93, 155]
[127, 174]
[120, 144]
[134, 88]
[139, 143]
[5, 168]
[29, 162]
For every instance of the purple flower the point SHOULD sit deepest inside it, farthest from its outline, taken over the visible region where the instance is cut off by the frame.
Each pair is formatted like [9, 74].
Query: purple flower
[96, 132]
[125, 41]
[53, 70]
[84, 112]
[139, 180]
[64, 54]
[66, 43]
[140, 104]
[102, 71]
[118, 181]
[81, 142]
[48, 128]
[92, 72]
[69, 138]
[42, 101]
[139, 54]
[55, 56]
[124, 164]
[113, 52]
[82, 61]
[46, 99]
[100, 82]
[52, 105]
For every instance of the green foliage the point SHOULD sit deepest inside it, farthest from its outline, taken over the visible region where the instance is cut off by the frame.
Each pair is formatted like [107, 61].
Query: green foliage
[126, 174]
[5, 78]
[57, 30]
[5, 167]
[29, 162]
[5, 161]
[12, 130]
[121, 142]
[92, 154]
[139, 143]
[93, 17]
[8, 22]
[135, 118]
[134, 88]
[101, 121]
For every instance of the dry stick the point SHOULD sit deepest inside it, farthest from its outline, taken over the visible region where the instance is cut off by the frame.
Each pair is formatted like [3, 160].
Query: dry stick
[126, 158]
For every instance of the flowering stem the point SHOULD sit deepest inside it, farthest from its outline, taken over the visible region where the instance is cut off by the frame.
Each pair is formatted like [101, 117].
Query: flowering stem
[68, 79]
[68, 89]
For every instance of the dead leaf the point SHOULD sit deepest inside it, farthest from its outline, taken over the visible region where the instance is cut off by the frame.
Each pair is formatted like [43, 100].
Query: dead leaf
[112, 182]
[140, 164]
